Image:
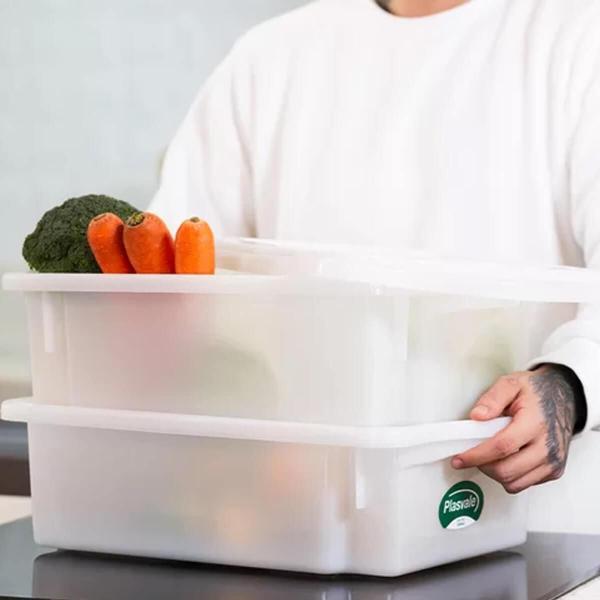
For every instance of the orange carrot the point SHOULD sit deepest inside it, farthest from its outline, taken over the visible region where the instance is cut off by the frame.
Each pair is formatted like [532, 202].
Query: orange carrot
[149, 244]
[195, 248]
[105, 237]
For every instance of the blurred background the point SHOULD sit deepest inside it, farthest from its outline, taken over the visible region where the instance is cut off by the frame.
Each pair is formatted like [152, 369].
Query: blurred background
[91, 92]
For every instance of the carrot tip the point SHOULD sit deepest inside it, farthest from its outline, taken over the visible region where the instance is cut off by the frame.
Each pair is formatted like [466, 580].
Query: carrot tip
[195, 219]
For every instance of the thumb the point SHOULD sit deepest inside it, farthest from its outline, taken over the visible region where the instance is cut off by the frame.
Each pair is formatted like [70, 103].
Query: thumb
[492, 403]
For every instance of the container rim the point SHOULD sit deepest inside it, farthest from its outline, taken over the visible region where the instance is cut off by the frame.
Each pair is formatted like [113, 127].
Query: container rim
[27, 410]
[223, 282]
[373, 282]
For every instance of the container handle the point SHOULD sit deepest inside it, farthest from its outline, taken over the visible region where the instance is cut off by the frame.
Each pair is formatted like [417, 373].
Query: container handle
[29, 411]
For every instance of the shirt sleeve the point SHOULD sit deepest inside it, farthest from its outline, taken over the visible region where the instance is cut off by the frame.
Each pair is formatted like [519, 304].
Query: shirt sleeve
[206, 171]
[576, 344]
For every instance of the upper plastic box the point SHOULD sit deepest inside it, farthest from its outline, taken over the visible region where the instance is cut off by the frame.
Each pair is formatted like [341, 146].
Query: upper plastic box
[322, 334]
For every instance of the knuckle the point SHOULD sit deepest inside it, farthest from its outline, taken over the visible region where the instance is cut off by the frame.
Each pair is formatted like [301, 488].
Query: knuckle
[505, 446]
[519, 405]
[512, 488]
[511, 380]
[488, 398]
[503, 474]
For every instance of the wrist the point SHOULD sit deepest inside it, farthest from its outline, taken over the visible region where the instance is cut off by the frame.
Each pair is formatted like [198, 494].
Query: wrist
[577, 396]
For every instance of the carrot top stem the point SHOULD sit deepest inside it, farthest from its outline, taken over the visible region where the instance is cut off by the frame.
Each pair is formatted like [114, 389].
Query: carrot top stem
[136, 219]
[195, 219]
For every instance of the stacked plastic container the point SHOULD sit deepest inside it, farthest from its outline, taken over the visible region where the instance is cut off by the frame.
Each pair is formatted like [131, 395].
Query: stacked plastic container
[296, 411]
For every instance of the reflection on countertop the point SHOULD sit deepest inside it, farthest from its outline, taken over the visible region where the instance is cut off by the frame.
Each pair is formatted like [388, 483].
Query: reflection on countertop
[72, 575]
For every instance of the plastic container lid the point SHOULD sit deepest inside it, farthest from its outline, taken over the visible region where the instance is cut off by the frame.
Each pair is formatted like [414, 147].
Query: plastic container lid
[394, 269]
[250, 266]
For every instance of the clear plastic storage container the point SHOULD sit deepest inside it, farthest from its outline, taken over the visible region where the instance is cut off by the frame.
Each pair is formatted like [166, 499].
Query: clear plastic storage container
[260, 493]
[318, 334]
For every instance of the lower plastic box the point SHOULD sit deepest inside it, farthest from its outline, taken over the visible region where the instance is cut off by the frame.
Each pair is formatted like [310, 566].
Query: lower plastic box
[294, 496]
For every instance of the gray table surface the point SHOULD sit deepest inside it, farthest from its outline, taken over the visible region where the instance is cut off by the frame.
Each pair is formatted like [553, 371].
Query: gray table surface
[547, 566]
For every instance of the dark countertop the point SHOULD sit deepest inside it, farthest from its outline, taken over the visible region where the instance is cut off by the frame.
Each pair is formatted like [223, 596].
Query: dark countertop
[547, 566]
[14, 463]
[14, 466]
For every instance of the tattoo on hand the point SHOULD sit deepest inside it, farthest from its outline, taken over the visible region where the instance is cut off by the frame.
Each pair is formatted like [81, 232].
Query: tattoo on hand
[558, 405]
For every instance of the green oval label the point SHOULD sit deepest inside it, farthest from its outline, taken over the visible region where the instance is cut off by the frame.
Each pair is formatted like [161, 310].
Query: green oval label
[461, 505]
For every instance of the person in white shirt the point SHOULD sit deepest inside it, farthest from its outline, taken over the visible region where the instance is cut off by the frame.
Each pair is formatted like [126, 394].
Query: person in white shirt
[462, 128]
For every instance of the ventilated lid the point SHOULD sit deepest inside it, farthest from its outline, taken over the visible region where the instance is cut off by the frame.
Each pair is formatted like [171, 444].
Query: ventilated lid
[412, 271]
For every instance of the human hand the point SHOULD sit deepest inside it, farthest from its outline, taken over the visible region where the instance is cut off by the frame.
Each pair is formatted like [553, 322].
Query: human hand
[533, 448]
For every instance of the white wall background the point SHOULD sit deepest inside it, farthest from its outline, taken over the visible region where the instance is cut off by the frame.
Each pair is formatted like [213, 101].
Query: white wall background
[91, 92]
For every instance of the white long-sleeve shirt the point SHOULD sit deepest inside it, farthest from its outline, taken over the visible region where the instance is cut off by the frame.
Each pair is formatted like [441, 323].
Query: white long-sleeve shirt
[474, 132]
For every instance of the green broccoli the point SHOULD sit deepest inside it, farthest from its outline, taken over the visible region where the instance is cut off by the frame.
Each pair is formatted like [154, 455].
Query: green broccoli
[59, 242]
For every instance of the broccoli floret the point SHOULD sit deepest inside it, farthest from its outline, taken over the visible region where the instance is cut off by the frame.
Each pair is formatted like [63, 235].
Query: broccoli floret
[59, 242]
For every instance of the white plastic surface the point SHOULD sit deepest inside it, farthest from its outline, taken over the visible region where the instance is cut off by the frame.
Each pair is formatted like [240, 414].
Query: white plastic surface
[172, 486]
[411, 271]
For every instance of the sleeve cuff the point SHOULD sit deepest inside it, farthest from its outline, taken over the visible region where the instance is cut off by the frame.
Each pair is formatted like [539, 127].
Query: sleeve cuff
[583, 357]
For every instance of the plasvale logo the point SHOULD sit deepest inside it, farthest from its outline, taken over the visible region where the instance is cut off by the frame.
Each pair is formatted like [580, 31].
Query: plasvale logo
[461, 505]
